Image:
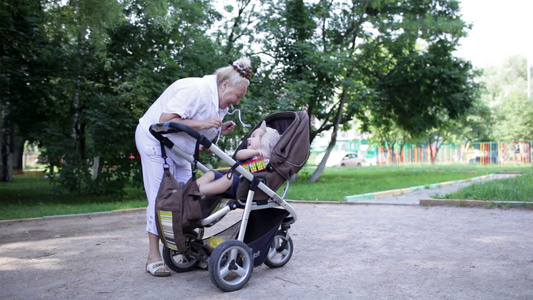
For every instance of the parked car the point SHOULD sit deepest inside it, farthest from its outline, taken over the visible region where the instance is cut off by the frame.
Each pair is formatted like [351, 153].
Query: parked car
[352, 160]
[337, 159]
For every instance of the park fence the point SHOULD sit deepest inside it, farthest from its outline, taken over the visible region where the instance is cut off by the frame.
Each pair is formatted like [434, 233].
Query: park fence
[485, 153]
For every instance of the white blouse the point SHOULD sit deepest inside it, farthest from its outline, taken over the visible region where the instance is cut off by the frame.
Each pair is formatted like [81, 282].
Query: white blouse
[191, 98]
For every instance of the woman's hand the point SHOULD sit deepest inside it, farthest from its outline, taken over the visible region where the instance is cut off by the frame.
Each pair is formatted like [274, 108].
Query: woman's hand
[212, 122]
[228, 127]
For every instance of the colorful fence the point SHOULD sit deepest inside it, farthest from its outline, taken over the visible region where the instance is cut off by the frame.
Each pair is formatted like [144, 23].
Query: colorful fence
[476, 153]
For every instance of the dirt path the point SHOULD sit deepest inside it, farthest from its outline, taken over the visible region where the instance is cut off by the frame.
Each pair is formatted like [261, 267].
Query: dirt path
[342, 251]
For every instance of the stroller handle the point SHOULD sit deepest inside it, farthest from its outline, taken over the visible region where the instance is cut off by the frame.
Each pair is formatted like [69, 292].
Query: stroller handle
[158, 129]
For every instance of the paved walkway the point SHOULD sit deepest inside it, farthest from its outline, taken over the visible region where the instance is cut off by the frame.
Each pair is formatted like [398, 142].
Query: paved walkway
[395, 251]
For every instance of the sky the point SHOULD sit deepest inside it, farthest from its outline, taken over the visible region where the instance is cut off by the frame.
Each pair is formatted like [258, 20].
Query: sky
[501, 28]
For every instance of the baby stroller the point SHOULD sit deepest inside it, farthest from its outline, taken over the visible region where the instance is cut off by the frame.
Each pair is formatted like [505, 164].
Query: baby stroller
[261, 235]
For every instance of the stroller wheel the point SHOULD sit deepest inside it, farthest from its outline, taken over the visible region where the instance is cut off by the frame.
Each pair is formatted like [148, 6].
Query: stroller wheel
[280, 251]
[181, 261]
[231, 265]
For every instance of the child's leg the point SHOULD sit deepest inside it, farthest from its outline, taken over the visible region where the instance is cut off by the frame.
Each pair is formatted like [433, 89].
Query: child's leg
[218, 186]
[207, 177]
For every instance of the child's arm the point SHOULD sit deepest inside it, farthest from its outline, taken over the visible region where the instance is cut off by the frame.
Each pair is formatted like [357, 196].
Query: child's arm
[248, 153]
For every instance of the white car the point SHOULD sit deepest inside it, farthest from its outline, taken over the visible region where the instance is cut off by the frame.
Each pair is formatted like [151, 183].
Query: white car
[337, 159]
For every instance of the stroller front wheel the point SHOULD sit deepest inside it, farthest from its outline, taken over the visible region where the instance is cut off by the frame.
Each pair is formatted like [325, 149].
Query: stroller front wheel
[231, 265]
[280, 251]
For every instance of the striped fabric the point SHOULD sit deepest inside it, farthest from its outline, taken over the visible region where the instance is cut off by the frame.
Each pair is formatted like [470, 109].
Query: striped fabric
[165, 223]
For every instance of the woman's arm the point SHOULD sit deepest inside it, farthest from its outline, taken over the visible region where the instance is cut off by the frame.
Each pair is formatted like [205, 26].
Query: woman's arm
[212, 122]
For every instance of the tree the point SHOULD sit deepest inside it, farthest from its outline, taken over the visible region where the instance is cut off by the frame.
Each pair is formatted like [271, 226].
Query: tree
[161, 43]
[103, 63]
[77, 34]
[309, 67]
[363, 58]
[21, 71]
[507, 96]
[237, 30]
[387, 134]
[388, 63]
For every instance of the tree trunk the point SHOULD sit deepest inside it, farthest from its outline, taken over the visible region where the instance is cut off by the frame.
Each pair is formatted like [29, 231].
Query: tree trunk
[392, 152]
[351, 35]
[322, 166]
[96, 167]
[402, 157]
[431, 154]
[320, 169]
[6, 145]
[18, 153]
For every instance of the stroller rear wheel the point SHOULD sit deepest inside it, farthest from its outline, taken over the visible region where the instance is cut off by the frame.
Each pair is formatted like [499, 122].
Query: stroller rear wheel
[231, 265]
[179, 261]
[280, 251]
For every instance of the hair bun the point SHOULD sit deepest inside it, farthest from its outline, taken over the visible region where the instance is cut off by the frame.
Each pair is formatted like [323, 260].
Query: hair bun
[243, 67]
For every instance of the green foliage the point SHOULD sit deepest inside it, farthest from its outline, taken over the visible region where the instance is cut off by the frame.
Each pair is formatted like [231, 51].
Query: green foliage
[107, 62]
[506, 95]
[79, 74]
[388, 63]
[21, 73]
[207, 157]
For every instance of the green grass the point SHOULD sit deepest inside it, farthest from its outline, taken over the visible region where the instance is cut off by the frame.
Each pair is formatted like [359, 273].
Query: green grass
[339, 182]
[512, 189]
[29, 197]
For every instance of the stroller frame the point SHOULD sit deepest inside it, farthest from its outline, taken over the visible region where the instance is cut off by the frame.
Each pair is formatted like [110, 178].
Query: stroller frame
[231, 262]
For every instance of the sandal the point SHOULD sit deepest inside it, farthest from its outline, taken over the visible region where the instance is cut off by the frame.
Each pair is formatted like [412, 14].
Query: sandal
[153, 269]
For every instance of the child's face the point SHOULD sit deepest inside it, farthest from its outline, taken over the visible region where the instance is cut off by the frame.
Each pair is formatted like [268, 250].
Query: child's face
[254, 141]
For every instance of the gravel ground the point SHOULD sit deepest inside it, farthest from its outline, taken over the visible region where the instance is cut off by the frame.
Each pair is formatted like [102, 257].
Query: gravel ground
[342, 251]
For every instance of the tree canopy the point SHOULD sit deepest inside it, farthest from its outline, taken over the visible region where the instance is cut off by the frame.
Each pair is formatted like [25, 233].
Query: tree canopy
[506, 94]
[79, 74]
[384, 62]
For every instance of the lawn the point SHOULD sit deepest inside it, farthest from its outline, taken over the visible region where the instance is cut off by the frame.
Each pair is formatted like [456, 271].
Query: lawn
[512, 189]
[29, 197]
[336, 183]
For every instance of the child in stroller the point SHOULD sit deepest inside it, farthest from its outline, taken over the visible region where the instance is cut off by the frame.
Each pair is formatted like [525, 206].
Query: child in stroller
[255, 158]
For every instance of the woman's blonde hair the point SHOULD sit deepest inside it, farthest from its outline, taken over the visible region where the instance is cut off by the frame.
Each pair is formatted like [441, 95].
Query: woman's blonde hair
[240, 72]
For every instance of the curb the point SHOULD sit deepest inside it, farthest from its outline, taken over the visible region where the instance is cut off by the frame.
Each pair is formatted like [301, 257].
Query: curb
[89, 215]
[345, 202]
[377, 195]
[475, 203]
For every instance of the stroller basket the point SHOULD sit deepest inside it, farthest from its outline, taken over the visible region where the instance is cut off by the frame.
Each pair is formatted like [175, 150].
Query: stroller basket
[262, 227]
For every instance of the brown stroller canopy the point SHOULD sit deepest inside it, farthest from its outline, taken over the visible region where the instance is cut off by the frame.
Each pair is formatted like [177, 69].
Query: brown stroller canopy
[288, 156]
[291, 152]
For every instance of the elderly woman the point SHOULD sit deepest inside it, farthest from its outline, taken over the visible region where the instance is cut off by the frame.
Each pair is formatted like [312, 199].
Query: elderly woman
[200, 103]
